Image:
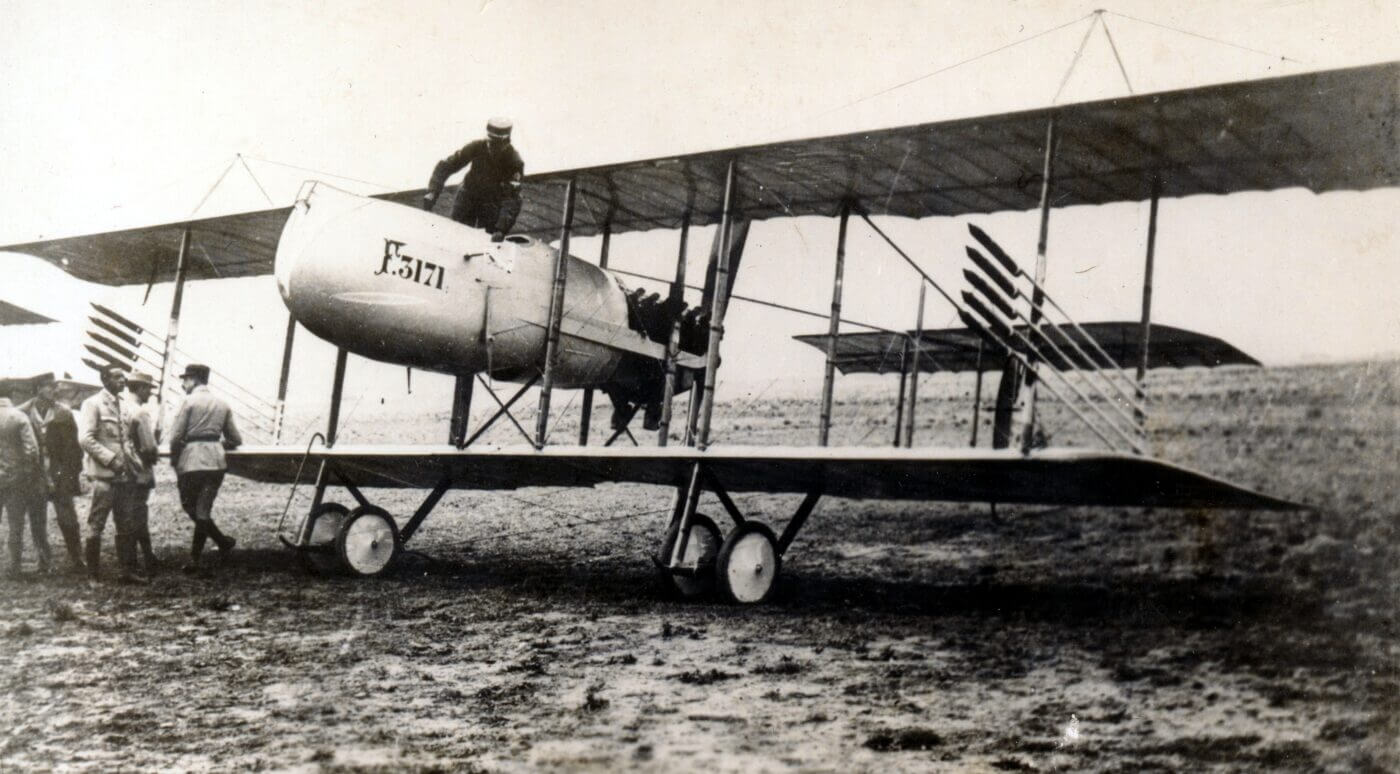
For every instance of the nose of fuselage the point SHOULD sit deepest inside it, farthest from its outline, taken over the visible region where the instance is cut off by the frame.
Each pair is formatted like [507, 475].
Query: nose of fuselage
[387, 281]
[292, 241]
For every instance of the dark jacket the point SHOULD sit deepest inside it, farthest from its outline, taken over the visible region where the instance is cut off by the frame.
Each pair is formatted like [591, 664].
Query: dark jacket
[59, 451]
[490, 173]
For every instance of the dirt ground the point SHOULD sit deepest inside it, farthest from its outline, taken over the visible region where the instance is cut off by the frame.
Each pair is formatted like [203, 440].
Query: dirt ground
[531, 634]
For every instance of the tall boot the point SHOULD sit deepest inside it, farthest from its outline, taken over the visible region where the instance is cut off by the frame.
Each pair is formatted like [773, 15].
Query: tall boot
[143, 539]
[126, 558]
[73, 541]
[39, 530]
[224, 542]
[196, 547]
[16, 554]
[45, 553]
[93, 548]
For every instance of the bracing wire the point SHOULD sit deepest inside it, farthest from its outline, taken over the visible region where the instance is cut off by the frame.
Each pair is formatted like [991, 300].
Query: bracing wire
[1188, 33]
[953, 66]
[320, 172]
[214, 187]
[1119, 59]
[1079, 52]
[256, 181]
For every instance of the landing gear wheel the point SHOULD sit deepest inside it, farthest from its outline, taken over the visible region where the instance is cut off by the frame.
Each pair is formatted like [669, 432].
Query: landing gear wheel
[322, 526]
[368, 541]
[700, 551]
[748, 564]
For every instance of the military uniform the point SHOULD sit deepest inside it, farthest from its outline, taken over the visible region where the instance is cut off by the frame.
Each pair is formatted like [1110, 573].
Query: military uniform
[113, 465]
[202, 429]
[19, 468]
[489, 197]
[61, 459]
[144, 441]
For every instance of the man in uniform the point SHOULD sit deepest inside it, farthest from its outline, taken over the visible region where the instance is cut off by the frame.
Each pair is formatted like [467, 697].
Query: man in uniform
[61, 459]
[490, 194]
[139, 386]
[19, 463]
[203, 428]
[113, 465]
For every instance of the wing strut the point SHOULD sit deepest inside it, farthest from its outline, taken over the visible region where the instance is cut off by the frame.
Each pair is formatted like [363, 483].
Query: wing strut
[903, 385]
[977, 393]
[717, 308]
[337, 390]
[586, 413]
[1141, 392]
[280, 410]
[1047, 181]
[673, 344]
[556, 315]
[833, 329]
[461, 409]
[916, 348]
[173, 330]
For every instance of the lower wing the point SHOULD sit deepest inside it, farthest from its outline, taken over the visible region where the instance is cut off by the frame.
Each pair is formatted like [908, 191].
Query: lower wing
[1047, 477]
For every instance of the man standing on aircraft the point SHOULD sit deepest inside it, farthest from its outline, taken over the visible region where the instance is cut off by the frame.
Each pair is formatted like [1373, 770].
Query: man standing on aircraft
[19, 460]
[490, 194]
[61, 459]
[140, 386]
[203, 428]
[113, 465]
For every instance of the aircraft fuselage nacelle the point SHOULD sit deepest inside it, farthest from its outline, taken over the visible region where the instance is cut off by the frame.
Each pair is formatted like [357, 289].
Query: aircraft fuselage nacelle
[399, 285]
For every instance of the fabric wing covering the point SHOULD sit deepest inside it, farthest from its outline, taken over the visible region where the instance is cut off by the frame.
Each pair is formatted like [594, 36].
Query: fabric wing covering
[1050, 477]
[957, 349]
[1323, 131]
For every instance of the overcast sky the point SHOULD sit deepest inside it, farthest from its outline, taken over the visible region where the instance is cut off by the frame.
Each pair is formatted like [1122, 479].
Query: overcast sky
[124, 114]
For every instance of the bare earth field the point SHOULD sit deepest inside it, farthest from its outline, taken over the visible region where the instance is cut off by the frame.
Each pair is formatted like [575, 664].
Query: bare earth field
[530, 633]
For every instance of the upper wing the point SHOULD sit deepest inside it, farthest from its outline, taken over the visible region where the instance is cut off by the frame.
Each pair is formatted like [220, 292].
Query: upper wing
[959, 349]
[1050, 477]
[1322, 131]
[239, 245]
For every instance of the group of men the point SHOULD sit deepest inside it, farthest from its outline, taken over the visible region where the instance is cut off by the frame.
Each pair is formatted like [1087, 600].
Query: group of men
[42, 450]
[45, 453]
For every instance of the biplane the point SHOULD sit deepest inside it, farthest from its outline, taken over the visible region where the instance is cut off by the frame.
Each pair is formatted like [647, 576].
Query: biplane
[382, 279]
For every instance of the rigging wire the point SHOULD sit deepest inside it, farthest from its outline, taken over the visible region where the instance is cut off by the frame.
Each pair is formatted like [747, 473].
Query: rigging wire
[1188, 33]
[320, 172]
[215, 186]
[953, 66]
[1114, 47]
[256, 182]
[1079, 52]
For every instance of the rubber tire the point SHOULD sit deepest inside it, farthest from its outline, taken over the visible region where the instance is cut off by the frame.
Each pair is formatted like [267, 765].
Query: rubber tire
[343, 548]
[738, 549]
[694, 587]
[333, 516]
